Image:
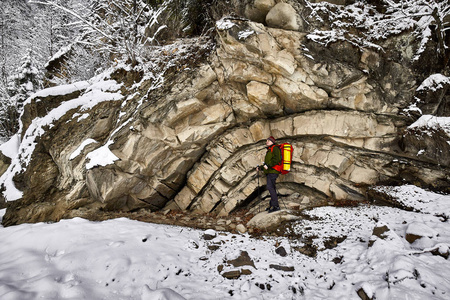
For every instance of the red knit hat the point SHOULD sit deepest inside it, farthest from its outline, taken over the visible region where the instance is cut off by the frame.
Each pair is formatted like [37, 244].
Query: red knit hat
[271, 138]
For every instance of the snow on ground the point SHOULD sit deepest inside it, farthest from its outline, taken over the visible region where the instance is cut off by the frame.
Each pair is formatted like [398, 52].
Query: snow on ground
[125, 259]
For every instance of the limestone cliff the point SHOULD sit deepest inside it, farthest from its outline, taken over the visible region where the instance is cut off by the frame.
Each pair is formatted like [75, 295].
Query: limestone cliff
[191, 141]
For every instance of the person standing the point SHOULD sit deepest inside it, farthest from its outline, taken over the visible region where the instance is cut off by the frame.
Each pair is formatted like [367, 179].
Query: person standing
[272, 158]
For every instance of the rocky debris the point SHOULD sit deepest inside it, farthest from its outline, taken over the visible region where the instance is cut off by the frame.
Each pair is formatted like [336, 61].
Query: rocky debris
[263, 286]
[241, 228]
[378, 232]
[441, 250]
[234, 274]
[281, 251]
[282, 268]
[293, 206]
[209, 235]
[270, 221]
[417, 231]
[309, 249]
[362, 294]
[243, 260]
[333, 241]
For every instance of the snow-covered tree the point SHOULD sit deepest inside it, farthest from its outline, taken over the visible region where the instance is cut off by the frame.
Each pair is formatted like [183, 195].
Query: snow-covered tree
[125, 28]
[15, 17]
[8, 116]
[25, 82]
[422, 19]
[427, 19]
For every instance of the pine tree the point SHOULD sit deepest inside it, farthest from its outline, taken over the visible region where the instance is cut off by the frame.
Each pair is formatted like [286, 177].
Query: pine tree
[24, 83]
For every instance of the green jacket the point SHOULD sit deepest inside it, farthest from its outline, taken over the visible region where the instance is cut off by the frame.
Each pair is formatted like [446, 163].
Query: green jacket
[273, 158]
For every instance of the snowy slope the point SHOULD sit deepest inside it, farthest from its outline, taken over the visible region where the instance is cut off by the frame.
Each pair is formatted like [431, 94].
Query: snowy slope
[125, 259]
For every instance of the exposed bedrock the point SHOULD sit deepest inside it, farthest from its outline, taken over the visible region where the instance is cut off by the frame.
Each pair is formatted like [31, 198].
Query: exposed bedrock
[194, 144]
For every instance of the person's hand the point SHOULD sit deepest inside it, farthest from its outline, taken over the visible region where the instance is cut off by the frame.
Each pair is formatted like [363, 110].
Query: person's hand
[266, 167]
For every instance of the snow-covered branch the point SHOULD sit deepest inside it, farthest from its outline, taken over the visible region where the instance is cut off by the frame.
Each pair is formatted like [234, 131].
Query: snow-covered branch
[71, 12]
[421, 18]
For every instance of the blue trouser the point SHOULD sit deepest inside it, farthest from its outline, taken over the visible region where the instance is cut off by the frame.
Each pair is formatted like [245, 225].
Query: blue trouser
[271, 178]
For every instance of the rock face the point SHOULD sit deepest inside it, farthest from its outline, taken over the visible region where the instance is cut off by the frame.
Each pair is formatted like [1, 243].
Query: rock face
[193, 144]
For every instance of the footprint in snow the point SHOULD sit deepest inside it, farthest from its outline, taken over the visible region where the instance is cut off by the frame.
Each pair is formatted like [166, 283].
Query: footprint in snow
[116, 244]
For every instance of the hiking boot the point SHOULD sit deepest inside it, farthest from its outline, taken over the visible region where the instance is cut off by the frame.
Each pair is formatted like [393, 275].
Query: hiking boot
[272, 209]
[269, 208]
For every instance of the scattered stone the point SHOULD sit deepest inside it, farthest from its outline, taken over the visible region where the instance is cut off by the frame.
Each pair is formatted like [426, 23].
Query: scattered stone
[378, 231]
[282, 268]
[220, 228]
[209, 235]
[235, 274]
[246, 272]
[193, 244]
[166, 211]
[418, 230]
[220, 268]
[308, 249]
[241, 228]
[333, 241]
[281, 251]
[294, 206]
[411, 238]
[362, 294]
[260, 285]
[213, 247]
[243, 260]
[263, 286]
[221, 222]
[305, 200]
[441, 250]
[338, 259]
[268, 221]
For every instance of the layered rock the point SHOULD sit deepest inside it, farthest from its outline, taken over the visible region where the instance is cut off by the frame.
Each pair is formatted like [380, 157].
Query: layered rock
[193, 144]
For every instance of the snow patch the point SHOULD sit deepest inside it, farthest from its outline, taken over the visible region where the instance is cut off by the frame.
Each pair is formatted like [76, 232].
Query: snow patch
[245, 34]
[434, 82]
[426, 122]
[59, 90]
[81, 147]
[224, 24]
[101, 156]
[418, 199]
[11, 147]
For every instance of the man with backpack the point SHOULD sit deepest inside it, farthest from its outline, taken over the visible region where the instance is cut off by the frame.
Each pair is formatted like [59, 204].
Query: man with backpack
[272, 159]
